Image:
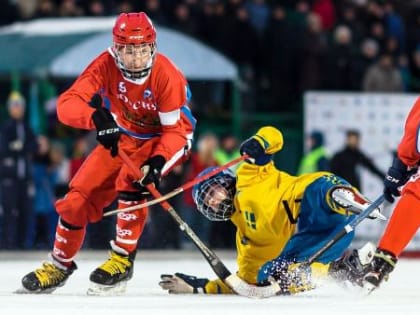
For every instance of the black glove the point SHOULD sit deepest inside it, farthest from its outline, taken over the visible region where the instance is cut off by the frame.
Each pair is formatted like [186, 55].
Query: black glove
[181, 283]
[151, 170]
[255, 151]
[251, 147]
[398, 174]
[107, 131]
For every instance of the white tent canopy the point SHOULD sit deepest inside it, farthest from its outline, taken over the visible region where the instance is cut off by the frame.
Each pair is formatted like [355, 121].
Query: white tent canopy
[70, 57]
[196, 60]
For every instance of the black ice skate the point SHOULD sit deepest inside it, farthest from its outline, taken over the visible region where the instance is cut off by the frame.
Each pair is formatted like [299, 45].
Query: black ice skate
[112, 276]
[350, 269]
[382, 265]
[47, 278]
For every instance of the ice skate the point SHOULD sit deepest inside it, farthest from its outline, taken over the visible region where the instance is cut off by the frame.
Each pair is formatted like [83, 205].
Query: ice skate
[382, 265]
[46, 279]
[354, 202]
[112, 276]
[350, 269]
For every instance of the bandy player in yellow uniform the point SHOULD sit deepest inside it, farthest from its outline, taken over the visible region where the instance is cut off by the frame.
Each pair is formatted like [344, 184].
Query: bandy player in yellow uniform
[281, 220]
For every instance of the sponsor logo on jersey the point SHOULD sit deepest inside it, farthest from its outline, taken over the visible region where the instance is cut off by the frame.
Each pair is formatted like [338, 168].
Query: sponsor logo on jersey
[146, 103]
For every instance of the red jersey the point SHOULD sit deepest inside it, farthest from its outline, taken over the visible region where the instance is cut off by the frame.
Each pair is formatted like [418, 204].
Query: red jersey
[158, 107]
[409, 147]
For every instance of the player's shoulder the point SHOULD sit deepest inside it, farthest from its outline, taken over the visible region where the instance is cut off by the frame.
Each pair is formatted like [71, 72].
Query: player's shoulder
[164, 64]
[104, 59]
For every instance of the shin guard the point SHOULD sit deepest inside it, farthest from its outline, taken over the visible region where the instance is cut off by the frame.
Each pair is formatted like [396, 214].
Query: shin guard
[130, 226]
[68, 241]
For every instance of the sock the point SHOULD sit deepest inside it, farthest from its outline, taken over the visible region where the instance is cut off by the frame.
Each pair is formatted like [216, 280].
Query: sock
[68, 241]
[130, 226]
[402, 226]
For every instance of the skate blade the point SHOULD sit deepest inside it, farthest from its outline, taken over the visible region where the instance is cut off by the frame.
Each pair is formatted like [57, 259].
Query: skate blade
[22, 290]
[368, 288]
[376, 214]
[97, 289]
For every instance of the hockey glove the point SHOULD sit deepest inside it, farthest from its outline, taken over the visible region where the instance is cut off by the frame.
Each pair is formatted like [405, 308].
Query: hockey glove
[181, 283]
[255, 151]
[107, 131]
[151, 170]
[397, 175]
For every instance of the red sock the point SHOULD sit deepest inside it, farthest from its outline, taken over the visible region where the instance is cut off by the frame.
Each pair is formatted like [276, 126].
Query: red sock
[402, 226]
[130, 226]
[67, 243]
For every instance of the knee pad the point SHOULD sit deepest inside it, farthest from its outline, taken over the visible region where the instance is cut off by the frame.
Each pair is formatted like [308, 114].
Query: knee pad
[77, 210]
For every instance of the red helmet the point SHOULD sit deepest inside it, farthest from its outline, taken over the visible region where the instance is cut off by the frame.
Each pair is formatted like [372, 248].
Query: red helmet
[133, 28]
[134, 45]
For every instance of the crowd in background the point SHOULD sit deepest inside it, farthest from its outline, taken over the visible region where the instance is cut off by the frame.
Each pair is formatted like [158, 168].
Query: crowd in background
[282, 48]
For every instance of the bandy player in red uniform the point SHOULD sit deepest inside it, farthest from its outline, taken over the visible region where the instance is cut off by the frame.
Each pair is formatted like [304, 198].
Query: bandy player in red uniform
[136, 99]
[402, 179]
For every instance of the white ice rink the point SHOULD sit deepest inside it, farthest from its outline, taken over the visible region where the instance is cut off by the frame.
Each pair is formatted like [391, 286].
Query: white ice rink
[401, 295]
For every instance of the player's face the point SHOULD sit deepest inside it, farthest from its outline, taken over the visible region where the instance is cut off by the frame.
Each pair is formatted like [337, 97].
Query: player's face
[215, 196]
[136, 57]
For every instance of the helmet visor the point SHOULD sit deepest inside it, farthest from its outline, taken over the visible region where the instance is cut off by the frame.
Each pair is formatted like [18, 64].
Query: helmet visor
[215, 198]
[135, 60]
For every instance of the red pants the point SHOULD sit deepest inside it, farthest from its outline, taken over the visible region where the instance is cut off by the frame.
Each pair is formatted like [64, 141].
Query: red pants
[95, 186]
[98, 180]
[405, 220]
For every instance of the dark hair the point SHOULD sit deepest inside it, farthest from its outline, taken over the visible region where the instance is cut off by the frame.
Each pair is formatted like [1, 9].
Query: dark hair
[352, 132]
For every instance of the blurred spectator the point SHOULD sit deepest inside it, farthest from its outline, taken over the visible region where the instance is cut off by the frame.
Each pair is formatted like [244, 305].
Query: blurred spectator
[228, 150]
[326, 11]
[348, 16]
[184, 21]
[69, 8]
[80, 152]
[383, 76]
[316, 159]
[414, 64]
[45, 9]
[44, 219]
[340, 59]
[95, 8]
[259, 13]
[18, 145]
[59, 158]
[201, 158]
[124, 6]
[394, 26]
[369, 50]
[313, 55]
[155, 12]
[282, 50]
[345, 163]
[223, 233]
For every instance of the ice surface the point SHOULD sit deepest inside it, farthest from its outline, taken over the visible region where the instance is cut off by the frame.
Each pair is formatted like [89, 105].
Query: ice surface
[401, 295]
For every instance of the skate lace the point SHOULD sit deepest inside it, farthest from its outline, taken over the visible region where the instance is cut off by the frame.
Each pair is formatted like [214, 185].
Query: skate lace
[49, 274]
[116, 264]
